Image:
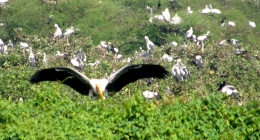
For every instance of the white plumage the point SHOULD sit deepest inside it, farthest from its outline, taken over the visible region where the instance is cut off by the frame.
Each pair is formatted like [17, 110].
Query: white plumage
[206, 10]
[228, 89]
[198, 61]
[149, 44]
[251, 24]
[68, 32]
[189, 33]
[174, 44]
[166, 15]
[189, 10]
[149, 94]
[57, 33]
[231, 23]
[176, 19]
[31, 58]
[44, 59]
[215, 11]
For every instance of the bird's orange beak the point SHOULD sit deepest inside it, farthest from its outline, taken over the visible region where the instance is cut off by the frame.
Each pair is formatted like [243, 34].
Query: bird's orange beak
[99, 91]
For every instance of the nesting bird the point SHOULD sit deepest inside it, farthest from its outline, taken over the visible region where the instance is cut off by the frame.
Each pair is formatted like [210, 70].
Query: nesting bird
[149, 45]
[58, 33]
[189, 10]
[251, 24]
[31, 58]
[77, 63]
[151, 95]
[231, 23]
[189, 33]
[198, 61]
[100, 87]
[180, 71]
[68, 32]
[228, 89]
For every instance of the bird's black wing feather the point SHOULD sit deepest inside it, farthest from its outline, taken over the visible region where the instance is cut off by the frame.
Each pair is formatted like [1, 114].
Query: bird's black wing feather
[131, 73]
[67, 76]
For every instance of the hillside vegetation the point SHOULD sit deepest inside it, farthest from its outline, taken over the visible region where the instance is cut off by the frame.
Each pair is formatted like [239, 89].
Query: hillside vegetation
[195, 109]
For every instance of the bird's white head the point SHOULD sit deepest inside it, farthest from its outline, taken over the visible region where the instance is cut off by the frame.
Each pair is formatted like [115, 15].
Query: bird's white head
[99, 91]
[55, 25]
[146, 38]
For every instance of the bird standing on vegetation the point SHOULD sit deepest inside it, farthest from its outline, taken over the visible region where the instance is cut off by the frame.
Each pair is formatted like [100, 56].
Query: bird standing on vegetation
[31, 58]
[189, 33]
[151, 95]
[166, 15]
[149, 45]
[101, 87]
[180, 71]
[189, 10]
[198, 61]
[200, 40]
[215, 11]
[68, 32]
[77, 63]
[206, 10]
[251, 24]
[231, 23]
[57, 34]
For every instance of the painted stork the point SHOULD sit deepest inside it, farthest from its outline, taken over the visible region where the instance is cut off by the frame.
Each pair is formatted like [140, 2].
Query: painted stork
[206, 10]
[228, 89]
[189, 10]
[251, 24]
[198, 61]
[77, 63]
[68, 32]
[166, 15]
[231, 23]
[58, 33]
[101, 87]
[149, 45]
[200, 40]
[31, 58]
[44, 61]
[215, 11]
[189, 33]
[151, 95]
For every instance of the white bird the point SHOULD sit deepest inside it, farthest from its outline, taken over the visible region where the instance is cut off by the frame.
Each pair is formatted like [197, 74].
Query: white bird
[223, 43]
[198, 61]
[231, 23]
[206, 10]
[189, 10]
[251, 24]
[68, 32]
[24, 45]
[228, 89]
[44, 61]
[200, 40]
[176, 73]
[96, 63]
[166, 57]
[184, 71]
[59, 54]
[166, 15]
[189, 33]
[128, 60]
[174, 44]
[1, 43]
[101, 87]
[150, 94]
[233, 42]
[176, 19]
[10, 44]
[3, 2]
[215, 11]
[77, 63]
[57, 34]
[31, 58]
[149, 45]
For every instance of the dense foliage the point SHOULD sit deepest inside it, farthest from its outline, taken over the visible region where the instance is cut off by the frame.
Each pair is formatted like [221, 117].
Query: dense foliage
[194, 110]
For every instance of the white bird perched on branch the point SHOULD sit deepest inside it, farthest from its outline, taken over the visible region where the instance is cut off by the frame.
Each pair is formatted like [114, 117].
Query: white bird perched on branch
[101, 87]
[231, 23]
[58, 33]
[251, 24]
[68, 32]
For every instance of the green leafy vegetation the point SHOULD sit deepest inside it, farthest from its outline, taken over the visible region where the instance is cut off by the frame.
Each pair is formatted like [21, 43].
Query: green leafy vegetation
[197, 110]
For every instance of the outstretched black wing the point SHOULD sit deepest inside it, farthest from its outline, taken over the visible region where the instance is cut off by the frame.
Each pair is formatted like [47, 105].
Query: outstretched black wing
[68, 76]
[129, 74]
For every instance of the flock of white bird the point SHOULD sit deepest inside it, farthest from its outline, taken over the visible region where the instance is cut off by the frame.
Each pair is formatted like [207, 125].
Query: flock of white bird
[179, 71]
